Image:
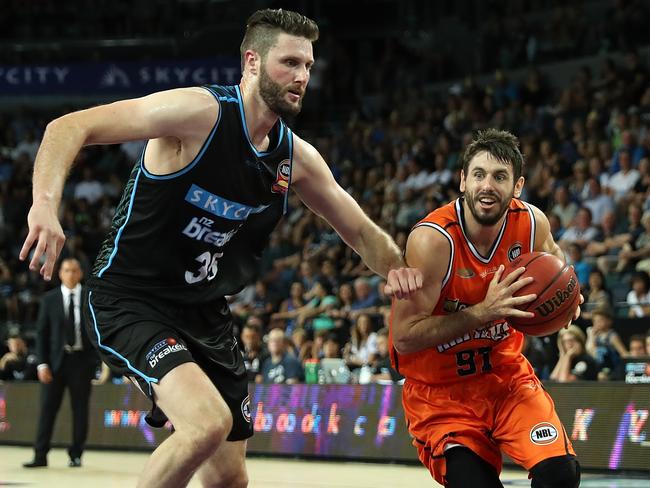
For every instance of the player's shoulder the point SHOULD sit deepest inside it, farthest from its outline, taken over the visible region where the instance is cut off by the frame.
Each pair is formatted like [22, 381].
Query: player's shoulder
[443, 217]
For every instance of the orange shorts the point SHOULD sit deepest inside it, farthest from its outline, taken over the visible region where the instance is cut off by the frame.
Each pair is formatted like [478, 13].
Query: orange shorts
[486, 414]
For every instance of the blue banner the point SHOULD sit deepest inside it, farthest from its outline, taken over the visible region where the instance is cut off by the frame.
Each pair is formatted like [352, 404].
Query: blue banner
[132, 78]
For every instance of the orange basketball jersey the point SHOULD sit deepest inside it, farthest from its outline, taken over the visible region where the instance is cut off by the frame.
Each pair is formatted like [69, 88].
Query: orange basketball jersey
[465, 283]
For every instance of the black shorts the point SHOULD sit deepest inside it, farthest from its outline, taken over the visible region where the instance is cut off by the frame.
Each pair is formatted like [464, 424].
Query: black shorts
[144, 339]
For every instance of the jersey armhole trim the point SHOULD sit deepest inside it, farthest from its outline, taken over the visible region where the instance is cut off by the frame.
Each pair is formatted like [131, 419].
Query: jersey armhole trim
[285, 205]
[198, 157]
[450, 265]
[533, 226]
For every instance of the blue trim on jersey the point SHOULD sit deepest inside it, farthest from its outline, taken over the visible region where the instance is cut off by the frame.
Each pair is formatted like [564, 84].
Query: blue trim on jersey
[198, 156]
[248, 138]
[285, 207]
[121, 229]
[228, 99]
[148, 379]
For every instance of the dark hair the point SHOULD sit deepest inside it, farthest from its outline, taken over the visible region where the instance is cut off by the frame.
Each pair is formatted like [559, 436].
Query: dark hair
[641, 276]
[501, 144]
[637, 337]
[263, 27]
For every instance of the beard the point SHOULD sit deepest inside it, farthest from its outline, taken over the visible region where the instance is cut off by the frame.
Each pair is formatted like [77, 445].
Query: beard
[492, 216]
[273, 95]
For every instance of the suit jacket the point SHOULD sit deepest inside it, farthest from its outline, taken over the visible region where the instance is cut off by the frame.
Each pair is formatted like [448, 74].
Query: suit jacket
[51, 338]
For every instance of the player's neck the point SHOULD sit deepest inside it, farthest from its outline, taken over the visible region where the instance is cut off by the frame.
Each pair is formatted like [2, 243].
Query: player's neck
[482, 236]
[259, 119]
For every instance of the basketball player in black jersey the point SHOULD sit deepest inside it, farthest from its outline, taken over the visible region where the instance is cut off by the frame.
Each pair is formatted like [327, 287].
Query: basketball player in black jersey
[195, 215]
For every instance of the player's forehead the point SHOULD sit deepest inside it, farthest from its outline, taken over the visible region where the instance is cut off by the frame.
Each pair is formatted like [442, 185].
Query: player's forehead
[295, 46]
[485, 161]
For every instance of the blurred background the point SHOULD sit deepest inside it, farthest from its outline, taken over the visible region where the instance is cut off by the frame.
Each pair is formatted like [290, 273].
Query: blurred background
[397, 91]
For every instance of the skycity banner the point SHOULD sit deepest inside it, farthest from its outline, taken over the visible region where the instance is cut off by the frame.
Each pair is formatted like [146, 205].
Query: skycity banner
[607, 422]
[127, 78]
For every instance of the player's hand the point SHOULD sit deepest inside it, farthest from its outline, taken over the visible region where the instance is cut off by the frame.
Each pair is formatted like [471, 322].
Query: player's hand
[576, 314]
[401, 282]
[499, 301]
[46, 232]
[45, 375]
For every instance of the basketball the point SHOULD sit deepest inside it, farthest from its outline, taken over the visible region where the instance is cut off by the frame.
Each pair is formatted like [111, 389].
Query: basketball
[557, 289]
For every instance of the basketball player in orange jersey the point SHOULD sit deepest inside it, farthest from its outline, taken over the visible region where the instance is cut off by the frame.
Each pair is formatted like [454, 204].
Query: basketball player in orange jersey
[469, 392]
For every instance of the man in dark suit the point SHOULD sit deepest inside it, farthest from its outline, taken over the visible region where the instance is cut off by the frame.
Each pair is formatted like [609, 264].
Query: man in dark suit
[66, 359]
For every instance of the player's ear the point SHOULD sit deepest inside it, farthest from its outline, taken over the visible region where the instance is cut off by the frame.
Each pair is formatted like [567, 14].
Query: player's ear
[252, 61]
[462, 181]
[519, 186]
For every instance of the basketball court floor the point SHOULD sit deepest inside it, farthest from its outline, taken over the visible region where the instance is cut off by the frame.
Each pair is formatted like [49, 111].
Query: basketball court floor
[111, 469]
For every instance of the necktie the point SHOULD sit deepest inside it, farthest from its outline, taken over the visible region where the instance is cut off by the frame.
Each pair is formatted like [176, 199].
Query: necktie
[70, 332]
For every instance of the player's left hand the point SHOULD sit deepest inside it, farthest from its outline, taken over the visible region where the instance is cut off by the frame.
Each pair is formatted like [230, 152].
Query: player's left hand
[402, 282]
[577, 312]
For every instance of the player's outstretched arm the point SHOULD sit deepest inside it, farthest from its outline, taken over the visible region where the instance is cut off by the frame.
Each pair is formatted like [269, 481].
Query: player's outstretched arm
[316, 187]
[413, 326]
[181, 114]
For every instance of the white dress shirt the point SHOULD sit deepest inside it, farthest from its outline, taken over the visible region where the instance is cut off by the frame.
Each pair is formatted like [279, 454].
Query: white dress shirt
[67, 294]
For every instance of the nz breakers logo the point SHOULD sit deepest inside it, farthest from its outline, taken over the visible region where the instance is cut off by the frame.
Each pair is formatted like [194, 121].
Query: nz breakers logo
[557, 300]
[162, 349]
[543, 434]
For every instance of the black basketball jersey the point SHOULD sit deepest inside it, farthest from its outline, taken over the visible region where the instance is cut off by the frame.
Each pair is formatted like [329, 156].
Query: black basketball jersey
[196, 235]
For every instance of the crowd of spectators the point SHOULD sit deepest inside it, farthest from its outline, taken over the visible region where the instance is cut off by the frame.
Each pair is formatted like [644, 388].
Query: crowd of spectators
[587, 151]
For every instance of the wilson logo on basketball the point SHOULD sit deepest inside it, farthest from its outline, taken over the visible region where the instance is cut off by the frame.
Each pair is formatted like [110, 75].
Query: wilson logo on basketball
[544, 433]
[556, 301]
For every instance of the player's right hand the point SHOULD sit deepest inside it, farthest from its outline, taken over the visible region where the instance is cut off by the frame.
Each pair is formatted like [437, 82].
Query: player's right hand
[499, 301]
[44, 230]
[45, 375]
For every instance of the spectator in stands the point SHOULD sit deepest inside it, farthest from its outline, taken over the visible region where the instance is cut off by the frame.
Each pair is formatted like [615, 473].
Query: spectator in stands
[624, 180]
[597, 202]
[575, 363]
[280, 366]
[315, 314]
[637, 346]
[89, 188]
[289, 308]
[582, 268]
[638, 298]
[581, 232]
[637, 254]
[607, 246]
[17, 363]
[563, 207]
[596, 294]
[298, 340]
[604, 343]
[331, 346]
[367, 299]
[382, 370]
[362, 348]
[537, 356]
[254, 351]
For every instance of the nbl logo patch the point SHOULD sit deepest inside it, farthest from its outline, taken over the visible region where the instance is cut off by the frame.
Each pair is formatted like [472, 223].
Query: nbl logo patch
[515, 251]
[246, 409]
[543, 434]
[162, 349]
[283, 174]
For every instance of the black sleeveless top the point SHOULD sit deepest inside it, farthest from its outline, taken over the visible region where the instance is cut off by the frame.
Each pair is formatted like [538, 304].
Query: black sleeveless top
[196, 235]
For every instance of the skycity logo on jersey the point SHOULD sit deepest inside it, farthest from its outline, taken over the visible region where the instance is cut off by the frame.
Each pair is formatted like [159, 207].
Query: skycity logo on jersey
[201, 230]
[219, 206]
[162, 349]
